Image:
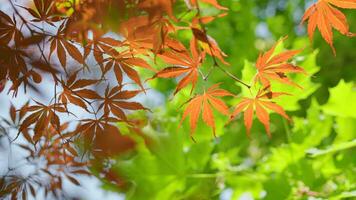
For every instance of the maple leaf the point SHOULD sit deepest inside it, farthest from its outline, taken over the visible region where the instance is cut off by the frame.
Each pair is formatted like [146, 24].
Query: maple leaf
[259, 104]
[203, 104]
[62, 45]
[182, 64]
[8, 29]
[124, 62]
[91, 127]
[73, 91]
[275, 67]
[115, 102]
[44, 11]
[42, 116]
[13, 65]
[100, 45]
[324, 16]
[142, 33]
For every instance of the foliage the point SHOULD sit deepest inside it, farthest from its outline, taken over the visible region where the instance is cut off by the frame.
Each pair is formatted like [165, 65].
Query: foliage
[98, 57]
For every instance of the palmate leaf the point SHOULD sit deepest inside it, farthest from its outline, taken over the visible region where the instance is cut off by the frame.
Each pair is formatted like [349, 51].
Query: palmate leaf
[64, 46]
[8, 29]
[259, 105]
[182, 64]
[44, 11]
[115, 102]
[274, 67]
[204, 104]
[125, 62]
[42, 116]
[324, 16]
[74, 92]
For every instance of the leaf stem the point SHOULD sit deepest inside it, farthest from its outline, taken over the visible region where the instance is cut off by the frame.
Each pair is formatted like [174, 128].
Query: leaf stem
[233, 76]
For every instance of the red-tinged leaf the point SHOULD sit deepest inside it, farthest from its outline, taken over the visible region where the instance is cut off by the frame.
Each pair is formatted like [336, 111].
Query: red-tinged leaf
[177, 58]
[36, 77]
[29, 120]
[61, 54]
[81, 83]
[77, 101]
[88, 94]
[118, 112]
[139, 63]
[118, 74]
[2, 84]
[13, 113]
[35, 39]
[133, 75]
[110, 41]
[113, 102]
[24, 194]
[82, 172]
[73, 180]
[126, 94]
[32, 190]
[71, 150]
[130, 105]
[52, 47]
[73, 52]
[171, 72]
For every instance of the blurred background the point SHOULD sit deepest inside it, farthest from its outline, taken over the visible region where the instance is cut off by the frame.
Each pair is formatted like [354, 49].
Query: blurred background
[313, 157]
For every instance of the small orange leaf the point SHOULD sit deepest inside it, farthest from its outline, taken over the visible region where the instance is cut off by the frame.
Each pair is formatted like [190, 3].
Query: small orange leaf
[260, 104]
[275, 67]
[204, 103]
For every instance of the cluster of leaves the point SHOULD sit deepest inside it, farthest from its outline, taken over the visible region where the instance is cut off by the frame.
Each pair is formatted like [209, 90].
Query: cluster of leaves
[313, 159]
[324, 16]
[53, 156]
[68, 34]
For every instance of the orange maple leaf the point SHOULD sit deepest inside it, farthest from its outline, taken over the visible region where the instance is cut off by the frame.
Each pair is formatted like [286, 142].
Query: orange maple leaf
[182, 64]
[260, 104]
[324, 16]
[275, 67]
[203, 103]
